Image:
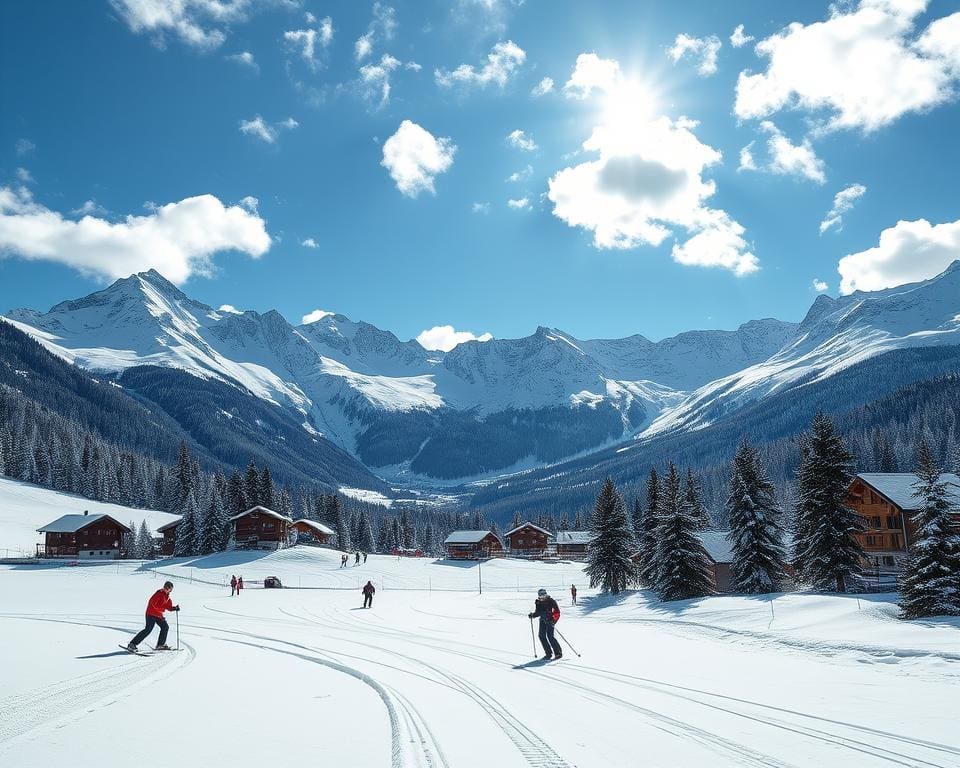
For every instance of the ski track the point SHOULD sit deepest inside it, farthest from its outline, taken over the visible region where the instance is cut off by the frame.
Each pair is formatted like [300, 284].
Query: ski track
[23, 714]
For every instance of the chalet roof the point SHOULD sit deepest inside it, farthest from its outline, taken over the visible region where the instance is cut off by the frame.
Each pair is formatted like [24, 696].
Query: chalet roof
[529, 525]
[898, 486]
[74, 523]
[318, 527]
[717, 545]
[575, 537]
[263, 511]
[467, 537]
[168, 526]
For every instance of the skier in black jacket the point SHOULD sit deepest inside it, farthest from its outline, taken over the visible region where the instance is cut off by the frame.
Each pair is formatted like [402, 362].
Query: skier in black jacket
[548, 611]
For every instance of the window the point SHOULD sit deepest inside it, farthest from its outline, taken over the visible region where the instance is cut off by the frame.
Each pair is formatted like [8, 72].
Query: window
[893, 521]
[887, 560]
[875, 521]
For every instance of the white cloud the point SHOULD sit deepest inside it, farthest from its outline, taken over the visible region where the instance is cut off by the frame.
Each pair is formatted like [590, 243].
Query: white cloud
[412, 66]
[266, 132]
[522, 175]
[312, 317]
[702, 49]
[819, 285]
[375, 80]
[542, 88]
[792, 159]
[502, 63]
[863, 67]
[480, 208]
[199, 23]
[747, 161]
[521, 140]
[178, 239]
[415, 157]
[739, 38]
[24, 146]
[309, 243]
[718, 243]
[842, 202]
[907, 252]
[363, 47]
[244, 58]
[590, 73]
[445, 338]
[251, 204]
[231, 309]
[520, 204]
[88, 208]
[382, 27]
[24, 176]
[307, 41]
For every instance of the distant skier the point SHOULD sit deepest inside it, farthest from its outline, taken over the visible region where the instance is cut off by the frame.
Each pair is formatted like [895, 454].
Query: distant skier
[368, 590]
[357, 561]
[546, 609]
[573, 593]
[159, 602]
[343, 560]
[239, 585]
[364, 557]
[233, 585]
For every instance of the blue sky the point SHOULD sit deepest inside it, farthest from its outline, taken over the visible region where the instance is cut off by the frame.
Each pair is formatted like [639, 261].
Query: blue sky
[660, 224]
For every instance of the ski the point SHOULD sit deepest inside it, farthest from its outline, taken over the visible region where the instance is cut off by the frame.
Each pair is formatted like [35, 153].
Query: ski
[135, 653]
[163, 650]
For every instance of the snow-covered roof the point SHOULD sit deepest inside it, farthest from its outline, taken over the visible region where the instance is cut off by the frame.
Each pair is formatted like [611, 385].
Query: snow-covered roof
[263, 511]
[318, 527]
[898, 487]
[574, 537]
[466, 537]
[168, 526]
[717, 545]
[74, 523]
[530, 525]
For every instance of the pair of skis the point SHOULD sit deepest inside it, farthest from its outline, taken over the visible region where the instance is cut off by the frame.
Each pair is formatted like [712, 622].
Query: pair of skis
[152, 649]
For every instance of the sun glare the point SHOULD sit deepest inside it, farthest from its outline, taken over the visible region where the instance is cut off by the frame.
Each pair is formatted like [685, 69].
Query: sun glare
[630, 103]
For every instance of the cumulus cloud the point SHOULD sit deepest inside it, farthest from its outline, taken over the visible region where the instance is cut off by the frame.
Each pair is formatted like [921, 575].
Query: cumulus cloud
[792, 159]
[718, 243]
[24, 176]
[178, 239]
[229, 308]
[445, 338]
[863, 67]
[522, 175]
[842, 202]
[819, 285]
[311, 41]
[519, 204]
[382, 27]
[591, 73]
[312, 317]
[414, 158]
[245, 59]
[88, 208]
[521, 140]
[309, 243]
[502, 63]
[739, 38]
[907, 252]
[200, 23]
[412, 66]
[375, 80]
[703, 50]
[747, 160]
[266, 132]
[542, 88]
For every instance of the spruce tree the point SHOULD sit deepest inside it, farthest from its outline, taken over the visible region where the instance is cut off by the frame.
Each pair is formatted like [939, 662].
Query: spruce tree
[213, 526]
[516, 522]
[648, 535]
[826, 554]
[186, 532]
[365, 539]
[756, 534]
[636, 520]
[406, 530]
[930, 581]
[267, 496]
[184, 476]
[429, 540]
[144, 542]
[479, 523]
[236, 501]
[681, 565]
[251, 486]
[564, 522]
[608, 556]
[694, 500]
[340, 524]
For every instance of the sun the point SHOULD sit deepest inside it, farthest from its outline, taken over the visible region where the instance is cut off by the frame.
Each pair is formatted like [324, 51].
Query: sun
[629, 104]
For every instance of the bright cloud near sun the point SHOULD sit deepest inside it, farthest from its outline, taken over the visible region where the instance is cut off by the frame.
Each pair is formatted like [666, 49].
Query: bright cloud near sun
[792, 159]
[592, 73]
[178, 239]
[415, 157]
[444, 338]
[502, 63]
[703, 50]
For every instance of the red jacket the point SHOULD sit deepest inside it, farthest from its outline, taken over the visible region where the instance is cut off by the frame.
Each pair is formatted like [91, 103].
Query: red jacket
[159, 602]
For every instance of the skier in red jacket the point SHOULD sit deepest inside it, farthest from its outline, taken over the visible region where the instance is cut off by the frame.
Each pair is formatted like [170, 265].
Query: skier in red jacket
[159, 602]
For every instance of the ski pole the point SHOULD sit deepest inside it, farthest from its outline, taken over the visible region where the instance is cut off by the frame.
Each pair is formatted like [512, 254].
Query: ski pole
[178, 630]
[567, 642]
[533, 639]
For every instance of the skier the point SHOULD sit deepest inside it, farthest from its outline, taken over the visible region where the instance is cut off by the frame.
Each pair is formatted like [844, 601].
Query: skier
[343, 560]
[573, 593]
[159, 602]
[357, 561]
[368, 590]
[233, 585]
[239, 585]
[364, 557]
[548, 611]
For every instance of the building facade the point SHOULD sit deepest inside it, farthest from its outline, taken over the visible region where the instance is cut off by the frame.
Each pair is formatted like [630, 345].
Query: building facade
[473, 545]
[85, 537]
[529, 540]
[261, 528]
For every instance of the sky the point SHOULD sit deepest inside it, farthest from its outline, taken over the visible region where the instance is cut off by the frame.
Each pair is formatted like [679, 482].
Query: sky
[452, 170]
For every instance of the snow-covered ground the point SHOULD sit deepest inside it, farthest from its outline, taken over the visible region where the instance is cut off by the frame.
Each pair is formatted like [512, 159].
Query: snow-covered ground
[430, 677]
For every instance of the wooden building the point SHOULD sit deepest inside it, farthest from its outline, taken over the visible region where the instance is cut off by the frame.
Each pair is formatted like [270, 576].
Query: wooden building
[886, 503]
[529, 540]
[83, 536]
[261, 528]
[573, 544]
[720, 556]
[312, 531]
[473, 545]
[169, 534]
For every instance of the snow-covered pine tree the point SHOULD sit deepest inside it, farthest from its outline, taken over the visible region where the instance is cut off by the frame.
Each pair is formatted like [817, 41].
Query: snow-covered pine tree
[479, 523]
[608, 556]
[406, 530]
[213, 525]
[236, 500]
[636, 520]
[887, 458]
[144, 542]
[564, 522]
[185, 543]
[366, 540]
[283, 503]
[267, 495]
[340, 523]
[648, 535]
[516, 522]
[184, 475]
[577, 521]
[930, 582]
[495, 529]
[756, 534]
[396, 537]
[429, 540]
[693, 497]
[681, 565]
[251, 486]
[826, 554]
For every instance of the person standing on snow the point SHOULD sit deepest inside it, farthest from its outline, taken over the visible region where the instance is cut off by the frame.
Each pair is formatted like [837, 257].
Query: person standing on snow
[239, 585]
[159, 602]
[357, 561]
[368, 590]
[233, 585]
[547, 610]
[364, 557]
[573, 593]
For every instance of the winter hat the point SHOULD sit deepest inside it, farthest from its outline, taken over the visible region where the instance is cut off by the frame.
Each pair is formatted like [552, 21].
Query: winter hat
[541, 592]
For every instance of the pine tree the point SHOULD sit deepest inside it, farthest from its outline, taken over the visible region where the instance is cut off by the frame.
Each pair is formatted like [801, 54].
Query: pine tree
[647, 535]
[608, 556]
[930, 581]
[756, 535]
[564, 522]
[479, 523]
[184, 476]
[267, 497]
[144, 542]
[211, 534]
[826, 554]
[429, 540]
[887, 458]
[236, 500]
[340, 524]
[365, 539]
[516, 522]
[406, 531]
[495, 529]
[251, 486]
[681, 565]
[636, 520]
[186, 532]
[694, 501]
[396, 534]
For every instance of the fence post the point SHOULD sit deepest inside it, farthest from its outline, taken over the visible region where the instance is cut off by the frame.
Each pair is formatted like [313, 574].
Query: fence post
[480, 576]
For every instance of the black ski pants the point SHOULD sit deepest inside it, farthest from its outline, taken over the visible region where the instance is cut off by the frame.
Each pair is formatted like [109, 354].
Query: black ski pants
[151, 620]
[368, 601]
[550, 645]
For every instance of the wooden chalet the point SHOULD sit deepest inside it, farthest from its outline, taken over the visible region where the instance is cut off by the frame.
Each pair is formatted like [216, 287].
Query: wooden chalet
[169, 534]
[720, 556]
[261, 528]
[83, 536]
[885, 501]
[573, 544]
[473, 545]
[312, 531]
[529, 540]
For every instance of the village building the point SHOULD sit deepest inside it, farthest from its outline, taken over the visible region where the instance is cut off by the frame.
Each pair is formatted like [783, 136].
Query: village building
[529, 540]
[84, 537]
[310, 531]
[473, 545]
[169, 534]
[261, 528]
[573, 544]
[719, 557]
